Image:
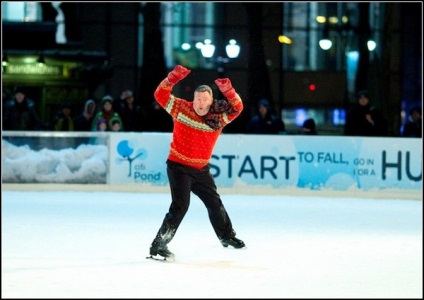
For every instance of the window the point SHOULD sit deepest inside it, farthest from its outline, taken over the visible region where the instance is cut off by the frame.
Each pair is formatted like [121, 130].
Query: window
[33, 12]
[186, 23]
[21, 11]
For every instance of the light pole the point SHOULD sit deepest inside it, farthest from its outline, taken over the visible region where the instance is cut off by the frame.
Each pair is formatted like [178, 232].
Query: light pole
[208, 49]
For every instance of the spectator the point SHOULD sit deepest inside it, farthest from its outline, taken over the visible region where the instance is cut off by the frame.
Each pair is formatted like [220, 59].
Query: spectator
[63, 121]
[106, 112]
[158, 120]
[119, 101]
[19, 113]
[132, 115]
[364, 120]
[413, 126]
[83, 121]
[264, 122]
[100, 125]
[309, 127]
[115, 124]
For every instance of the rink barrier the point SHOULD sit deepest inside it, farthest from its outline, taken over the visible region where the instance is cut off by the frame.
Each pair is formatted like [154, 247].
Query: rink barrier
[328, 166]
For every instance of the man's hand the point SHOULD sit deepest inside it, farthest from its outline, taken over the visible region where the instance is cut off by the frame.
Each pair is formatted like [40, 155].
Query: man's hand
[224, 85]
[177, 74]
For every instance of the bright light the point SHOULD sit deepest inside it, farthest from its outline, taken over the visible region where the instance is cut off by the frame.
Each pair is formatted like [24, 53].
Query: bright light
[371, 45]
[321, 19]
[300, 116]
[232, 49]
[333, 20]
[325, 44]
[284, 39]
[185, 46]
[207, 49]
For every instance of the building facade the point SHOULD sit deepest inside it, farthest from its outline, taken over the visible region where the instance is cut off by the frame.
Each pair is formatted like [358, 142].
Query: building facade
[93, 49]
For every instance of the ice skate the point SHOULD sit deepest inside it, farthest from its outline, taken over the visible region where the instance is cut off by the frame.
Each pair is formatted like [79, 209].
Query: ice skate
[159, 249]
[161, 252]
[235, 242]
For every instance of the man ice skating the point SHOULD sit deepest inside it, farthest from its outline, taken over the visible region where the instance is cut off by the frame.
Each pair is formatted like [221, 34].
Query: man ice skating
[197, 126]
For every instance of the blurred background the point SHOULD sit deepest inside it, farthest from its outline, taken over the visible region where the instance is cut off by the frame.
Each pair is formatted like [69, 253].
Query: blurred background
[309, 59]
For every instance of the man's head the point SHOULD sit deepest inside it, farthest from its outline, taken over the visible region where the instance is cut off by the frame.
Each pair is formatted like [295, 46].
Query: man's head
[20, 94]
[363, 98]
[128, 96]
[203, 99]
[264, 107]
[66, 108]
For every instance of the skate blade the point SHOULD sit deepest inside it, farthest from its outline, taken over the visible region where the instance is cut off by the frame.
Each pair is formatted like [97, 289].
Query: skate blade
[161, 258]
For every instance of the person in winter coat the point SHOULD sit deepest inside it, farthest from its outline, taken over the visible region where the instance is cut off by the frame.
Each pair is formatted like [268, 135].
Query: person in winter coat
[197, 127]
[132, 114]
[106, 112]
[309, 127]
[84, 120]
[158, 120]
[63, 120]
[414, 126]
[264, 122]
[20, 113]
[362, 119]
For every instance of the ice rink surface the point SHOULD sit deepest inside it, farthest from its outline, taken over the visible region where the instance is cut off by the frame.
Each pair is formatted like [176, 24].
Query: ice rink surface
[62, 244]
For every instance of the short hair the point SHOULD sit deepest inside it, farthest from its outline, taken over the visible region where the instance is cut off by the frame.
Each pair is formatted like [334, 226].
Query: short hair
[204, 88]
[363, 93]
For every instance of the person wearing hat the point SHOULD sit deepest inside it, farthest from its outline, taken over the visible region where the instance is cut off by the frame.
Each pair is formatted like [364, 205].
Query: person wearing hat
[106, 112]
[132, 115]
[20, 113]
[115, 124]
[264, 122]
[63, 121]
[83, 121]
[362, 119]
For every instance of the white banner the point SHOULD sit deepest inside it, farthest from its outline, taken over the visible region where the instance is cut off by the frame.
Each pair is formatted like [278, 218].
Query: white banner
[278, 161]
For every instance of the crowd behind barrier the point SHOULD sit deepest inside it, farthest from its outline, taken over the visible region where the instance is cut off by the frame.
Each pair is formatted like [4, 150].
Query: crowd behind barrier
[126, 114]
[241, 163]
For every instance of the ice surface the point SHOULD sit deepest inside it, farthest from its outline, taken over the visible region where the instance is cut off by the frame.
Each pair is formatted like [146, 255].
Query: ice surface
[62, 244]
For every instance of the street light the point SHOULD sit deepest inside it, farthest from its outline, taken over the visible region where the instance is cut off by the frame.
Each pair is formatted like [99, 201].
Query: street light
[325, 43]
[208, 49]
[232, 49]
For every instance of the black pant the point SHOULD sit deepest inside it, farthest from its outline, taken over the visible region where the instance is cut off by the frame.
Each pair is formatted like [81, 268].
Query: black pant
[183, 180]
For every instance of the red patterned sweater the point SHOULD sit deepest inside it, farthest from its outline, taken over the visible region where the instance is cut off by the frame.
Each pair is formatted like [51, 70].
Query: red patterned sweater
[192, 139]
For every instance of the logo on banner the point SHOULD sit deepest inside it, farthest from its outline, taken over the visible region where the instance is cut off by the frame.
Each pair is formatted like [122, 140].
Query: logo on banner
[127, 154]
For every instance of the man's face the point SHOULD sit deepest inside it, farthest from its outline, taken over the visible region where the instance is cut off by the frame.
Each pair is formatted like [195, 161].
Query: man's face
[263, 110]
[363, 100]
[20, 97]
[202, 103]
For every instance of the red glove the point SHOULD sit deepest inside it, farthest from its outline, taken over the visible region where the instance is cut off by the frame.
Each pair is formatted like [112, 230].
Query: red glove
[224, 85]
[178, 73]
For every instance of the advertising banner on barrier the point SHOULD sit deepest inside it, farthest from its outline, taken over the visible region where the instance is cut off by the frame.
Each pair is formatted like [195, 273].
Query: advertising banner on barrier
[277, 161]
